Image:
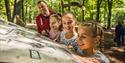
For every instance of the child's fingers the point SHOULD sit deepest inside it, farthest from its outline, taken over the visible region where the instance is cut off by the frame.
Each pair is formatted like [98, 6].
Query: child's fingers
[93, 60]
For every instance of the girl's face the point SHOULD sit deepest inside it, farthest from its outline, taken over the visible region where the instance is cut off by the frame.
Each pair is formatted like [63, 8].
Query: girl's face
[54, 24]
[68, 21]
[85, 39]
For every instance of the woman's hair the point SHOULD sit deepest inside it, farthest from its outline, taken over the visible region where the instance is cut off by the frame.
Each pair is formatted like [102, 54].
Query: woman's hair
[58, 19]
[95, 28]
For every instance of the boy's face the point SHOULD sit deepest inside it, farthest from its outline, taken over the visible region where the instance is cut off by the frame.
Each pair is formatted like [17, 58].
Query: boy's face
[43, 8]
[85, 39]
[68, 22]
[54, 24]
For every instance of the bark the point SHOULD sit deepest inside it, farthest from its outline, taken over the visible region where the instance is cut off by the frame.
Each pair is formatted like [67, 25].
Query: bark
[22, 4]
[17, 8]
[109, 13]
[69, 6]
[83, 11]
[8, 11]
[98, 10]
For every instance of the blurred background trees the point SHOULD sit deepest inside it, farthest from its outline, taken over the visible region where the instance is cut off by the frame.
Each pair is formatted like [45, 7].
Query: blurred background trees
[107, 12]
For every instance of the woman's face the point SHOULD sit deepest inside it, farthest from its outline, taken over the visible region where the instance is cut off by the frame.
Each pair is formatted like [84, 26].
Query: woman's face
[68, 21]
[43, 8]
[54, 24]
[85, 39]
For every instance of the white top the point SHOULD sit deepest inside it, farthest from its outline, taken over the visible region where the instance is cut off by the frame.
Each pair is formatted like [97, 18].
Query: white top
[71, 41]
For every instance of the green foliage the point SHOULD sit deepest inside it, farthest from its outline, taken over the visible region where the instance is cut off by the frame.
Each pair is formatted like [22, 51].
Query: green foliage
[31, 10]
[2, 9]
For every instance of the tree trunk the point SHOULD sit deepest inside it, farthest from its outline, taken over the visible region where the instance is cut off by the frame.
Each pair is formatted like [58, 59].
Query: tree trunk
[62, 6]
[69, 6]
[91, 12]
[26, 11]
[83, 11]
[98, 10]
[30, 14]
[109, 13]
[105, 7]
[8, 11]
[22, 4]
[91, 15]
[17, 8]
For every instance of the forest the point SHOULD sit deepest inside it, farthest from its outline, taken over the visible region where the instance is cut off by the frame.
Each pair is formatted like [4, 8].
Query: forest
[106, 12]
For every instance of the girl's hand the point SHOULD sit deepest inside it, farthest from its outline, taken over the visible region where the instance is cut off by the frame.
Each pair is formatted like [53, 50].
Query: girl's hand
[93, 60]
[89, 60]
[75, 29]
[69, 46]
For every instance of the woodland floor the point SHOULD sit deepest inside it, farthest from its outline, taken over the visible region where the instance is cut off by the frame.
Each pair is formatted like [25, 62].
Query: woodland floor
[115, 54]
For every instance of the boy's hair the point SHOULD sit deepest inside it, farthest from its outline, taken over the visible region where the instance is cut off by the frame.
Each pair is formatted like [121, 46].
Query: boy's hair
[41, 1]
[96, 29]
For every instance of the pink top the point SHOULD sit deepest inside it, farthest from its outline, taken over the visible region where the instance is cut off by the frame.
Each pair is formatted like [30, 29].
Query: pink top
[54, 35]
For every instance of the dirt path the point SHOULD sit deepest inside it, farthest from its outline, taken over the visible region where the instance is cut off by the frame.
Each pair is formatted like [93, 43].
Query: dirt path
[115, 54]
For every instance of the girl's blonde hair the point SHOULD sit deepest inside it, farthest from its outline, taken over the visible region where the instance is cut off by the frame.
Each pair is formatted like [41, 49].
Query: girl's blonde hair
[95, 28]
[66, 13]
[58, 19]
[56, 16]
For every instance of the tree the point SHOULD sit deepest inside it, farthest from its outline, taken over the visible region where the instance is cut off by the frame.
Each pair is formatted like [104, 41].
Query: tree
[8, 11]
[109, 13]
[22, 5]
[98, 10]
[83, 11]
[62, 6]
[69, 6]
[17, 8]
